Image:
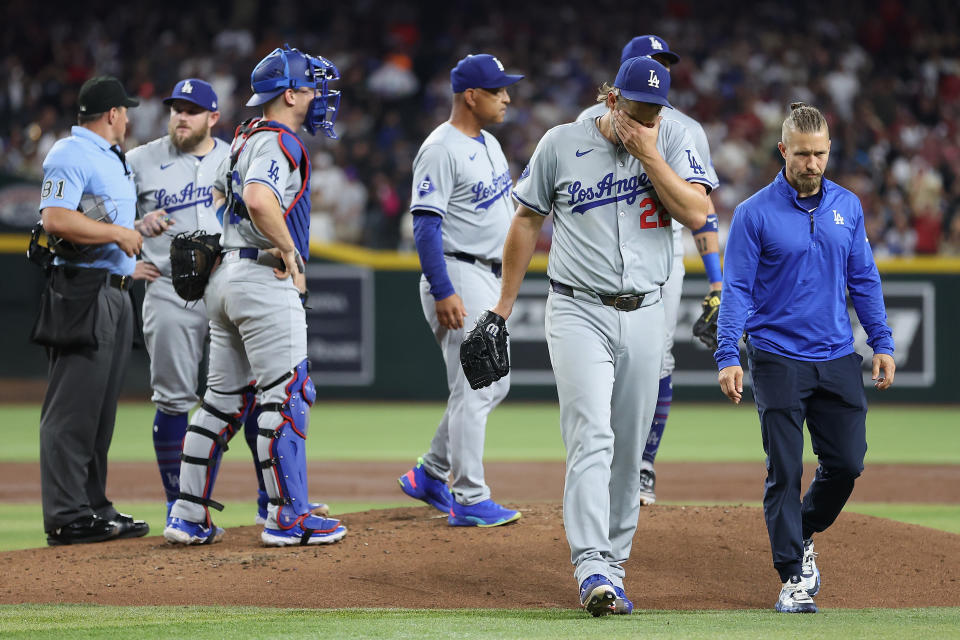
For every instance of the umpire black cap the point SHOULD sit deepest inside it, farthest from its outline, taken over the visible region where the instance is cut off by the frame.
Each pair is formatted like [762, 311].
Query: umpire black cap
[102, 93]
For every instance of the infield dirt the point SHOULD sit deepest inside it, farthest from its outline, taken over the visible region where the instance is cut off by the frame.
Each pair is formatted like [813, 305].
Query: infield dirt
[684, 557]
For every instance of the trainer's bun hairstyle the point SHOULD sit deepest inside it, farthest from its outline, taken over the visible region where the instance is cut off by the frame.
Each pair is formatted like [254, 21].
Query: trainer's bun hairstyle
[803, 119]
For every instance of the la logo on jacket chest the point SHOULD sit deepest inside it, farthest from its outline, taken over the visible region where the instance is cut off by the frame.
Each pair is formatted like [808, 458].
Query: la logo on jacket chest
[837, 218]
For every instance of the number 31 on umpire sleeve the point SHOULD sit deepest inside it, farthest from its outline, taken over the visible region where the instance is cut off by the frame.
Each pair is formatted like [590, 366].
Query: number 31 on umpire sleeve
[650, 217]
[48, 188]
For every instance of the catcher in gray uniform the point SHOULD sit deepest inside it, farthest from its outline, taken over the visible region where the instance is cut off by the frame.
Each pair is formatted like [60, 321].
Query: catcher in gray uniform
[461, 209]
[612, 183]
[708, 246]
[254, 301]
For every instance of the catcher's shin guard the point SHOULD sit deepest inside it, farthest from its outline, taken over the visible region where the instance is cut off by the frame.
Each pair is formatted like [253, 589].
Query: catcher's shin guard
[284, 418]
[203, 446]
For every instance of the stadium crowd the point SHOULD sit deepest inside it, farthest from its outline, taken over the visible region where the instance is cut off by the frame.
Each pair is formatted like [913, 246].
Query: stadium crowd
[886, 74]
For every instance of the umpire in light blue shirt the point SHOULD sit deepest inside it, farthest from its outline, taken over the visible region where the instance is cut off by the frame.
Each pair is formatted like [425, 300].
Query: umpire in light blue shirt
[796, 248]
[88, 207]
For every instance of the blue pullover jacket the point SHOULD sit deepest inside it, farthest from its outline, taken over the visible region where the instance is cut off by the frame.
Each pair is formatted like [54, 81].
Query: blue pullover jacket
[786, 274]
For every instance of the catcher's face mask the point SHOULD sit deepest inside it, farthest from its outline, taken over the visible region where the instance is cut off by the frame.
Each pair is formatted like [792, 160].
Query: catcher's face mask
[290, 68]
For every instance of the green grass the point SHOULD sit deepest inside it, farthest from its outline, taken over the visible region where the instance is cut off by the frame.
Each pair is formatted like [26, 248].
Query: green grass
[518, 431]
[88, 621]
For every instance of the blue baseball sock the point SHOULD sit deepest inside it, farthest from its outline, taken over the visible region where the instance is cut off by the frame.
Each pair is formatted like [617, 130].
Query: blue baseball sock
[664, 400]
[168, 432]
[250, 435]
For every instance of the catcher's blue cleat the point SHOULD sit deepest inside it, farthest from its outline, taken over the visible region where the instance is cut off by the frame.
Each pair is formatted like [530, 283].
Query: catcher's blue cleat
[419, 484]
[483, 514]
[308, 530]
[598, 595]
[180, 531]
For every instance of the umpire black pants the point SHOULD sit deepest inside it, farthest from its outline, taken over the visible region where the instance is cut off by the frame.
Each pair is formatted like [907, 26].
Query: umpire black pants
[77, 419]
[829, 396]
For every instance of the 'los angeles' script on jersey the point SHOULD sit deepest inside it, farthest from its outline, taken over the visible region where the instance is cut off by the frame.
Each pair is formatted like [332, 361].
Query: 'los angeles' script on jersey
[606, 191]
[189, 196]
[486, 195]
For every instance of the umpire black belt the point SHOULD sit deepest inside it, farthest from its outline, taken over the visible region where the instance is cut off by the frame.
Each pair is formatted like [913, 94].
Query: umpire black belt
[620, 302]
[114, 280]
[260, 256]
[496, 268]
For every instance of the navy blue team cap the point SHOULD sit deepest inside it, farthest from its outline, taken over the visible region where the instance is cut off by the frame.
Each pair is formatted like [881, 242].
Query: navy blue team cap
[480, 71]
[643, 79]
[648, 46]
[196, 91]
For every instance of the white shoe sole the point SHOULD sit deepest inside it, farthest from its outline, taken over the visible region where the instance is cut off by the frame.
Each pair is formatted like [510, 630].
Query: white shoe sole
[272, 540]
[175, 536]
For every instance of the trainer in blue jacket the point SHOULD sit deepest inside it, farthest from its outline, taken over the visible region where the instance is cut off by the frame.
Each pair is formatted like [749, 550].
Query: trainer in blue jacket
[795, 249]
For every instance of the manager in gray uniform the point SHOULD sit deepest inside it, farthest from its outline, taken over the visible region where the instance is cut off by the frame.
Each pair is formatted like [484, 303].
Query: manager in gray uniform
[610, 182]
[86, 323]
[461, 213]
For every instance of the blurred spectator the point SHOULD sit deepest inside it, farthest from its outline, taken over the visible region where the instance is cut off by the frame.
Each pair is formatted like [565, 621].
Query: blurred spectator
[887, 77]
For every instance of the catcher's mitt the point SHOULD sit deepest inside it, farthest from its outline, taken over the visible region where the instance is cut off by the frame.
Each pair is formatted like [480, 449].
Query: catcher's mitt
[705, 328]
[192, 258]
[483, 353]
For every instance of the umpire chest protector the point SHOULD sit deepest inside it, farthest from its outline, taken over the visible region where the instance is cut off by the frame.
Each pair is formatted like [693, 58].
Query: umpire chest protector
[297, 213]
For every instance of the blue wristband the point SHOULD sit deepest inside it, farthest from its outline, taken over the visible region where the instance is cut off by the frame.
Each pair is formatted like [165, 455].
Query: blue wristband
[713, 224]
[711, 262]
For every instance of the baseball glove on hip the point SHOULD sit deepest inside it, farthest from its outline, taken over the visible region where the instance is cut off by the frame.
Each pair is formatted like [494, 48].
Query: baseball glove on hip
[705, 328]
[483, 352]
[192, 258]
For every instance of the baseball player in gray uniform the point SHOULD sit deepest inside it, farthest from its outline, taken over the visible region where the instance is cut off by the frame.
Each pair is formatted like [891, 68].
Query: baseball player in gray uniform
[613, 183]
[708, 246]
[254, 302]
[461, 208]
[174, 177]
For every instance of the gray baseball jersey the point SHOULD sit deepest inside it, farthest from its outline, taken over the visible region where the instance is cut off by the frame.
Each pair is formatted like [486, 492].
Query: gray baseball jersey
[611, 235]
[611, 232]
[263, 161]
[700, 143]
[174, 333]
[468, 183]
[179, 183]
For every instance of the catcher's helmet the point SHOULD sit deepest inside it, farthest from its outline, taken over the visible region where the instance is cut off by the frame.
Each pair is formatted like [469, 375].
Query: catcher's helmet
[288, 68]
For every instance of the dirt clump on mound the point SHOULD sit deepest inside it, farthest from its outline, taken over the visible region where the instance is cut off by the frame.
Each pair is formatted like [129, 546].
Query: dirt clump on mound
[683, 558]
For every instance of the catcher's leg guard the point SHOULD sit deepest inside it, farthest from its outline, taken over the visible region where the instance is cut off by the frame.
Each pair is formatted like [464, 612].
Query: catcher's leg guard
[282, 449]
[203, 445]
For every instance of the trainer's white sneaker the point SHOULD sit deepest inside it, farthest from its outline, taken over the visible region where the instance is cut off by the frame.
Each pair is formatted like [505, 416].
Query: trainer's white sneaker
[809, 574]
[794, 598]
[648, 481]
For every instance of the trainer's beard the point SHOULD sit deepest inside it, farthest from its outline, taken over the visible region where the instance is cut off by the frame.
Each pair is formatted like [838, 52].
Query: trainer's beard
[808, 185]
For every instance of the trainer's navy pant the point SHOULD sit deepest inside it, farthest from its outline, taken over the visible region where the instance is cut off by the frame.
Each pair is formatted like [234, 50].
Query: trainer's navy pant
[829, 395]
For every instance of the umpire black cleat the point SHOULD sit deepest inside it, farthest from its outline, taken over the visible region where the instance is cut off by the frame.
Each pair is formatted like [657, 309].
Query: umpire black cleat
[90, 528]
[130, 528]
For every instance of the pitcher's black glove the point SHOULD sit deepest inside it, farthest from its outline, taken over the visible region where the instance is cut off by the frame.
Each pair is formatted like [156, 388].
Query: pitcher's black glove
[705, 328]
[192, 258]
[483, 353]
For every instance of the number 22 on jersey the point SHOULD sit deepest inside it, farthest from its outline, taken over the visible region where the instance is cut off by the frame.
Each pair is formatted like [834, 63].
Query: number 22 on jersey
[651, 217]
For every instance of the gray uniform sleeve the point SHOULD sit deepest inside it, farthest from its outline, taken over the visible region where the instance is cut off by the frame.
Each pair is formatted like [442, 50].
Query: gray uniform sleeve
[679, 152]
[699, 137]
[536, 187]
[269, 166]
[220, 179]
[433, 179]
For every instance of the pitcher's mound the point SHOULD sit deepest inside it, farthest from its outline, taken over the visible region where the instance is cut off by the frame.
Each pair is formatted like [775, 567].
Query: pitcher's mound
[683, 558]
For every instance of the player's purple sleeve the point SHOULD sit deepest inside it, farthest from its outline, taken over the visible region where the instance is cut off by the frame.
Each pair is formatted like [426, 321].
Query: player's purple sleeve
[866, 293]
[428, 237]
[742, 256]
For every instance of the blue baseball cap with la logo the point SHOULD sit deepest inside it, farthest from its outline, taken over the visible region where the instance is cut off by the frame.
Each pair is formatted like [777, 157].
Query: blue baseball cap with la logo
[643, 79]
[480, 71]
[196, 91]
[648, 46]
